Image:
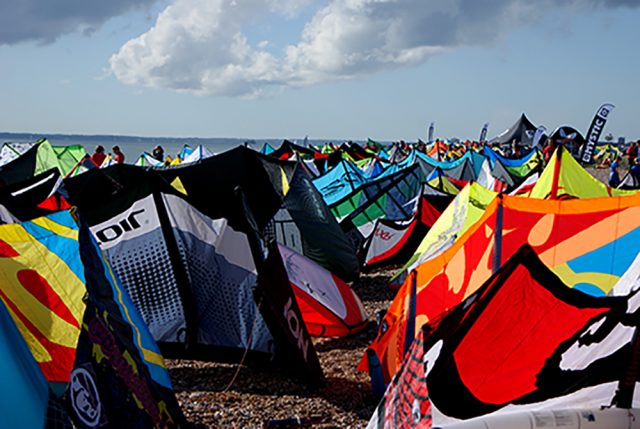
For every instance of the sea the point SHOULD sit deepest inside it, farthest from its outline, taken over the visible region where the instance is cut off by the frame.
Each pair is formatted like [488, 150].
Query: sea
[133, 146]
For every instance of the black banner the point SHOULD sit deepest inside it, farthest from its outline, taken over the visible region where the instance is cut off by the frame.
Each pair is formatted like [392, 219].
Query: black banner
[483, 133]
[597, 125]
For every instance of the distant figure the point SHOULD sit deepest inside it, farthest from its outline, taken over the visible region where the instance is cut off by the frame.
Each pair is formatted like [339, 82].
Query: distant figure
[635, 168]
[549, 148]
[118, 156]
[614, 178]
[98, 156]
[632, 153]
[515, 149]
[158, 153]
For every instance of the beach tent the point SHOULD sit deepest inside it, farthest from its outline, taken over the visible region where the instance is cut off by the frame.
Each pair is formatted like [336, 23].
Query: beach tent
[394, 242]
[522, 131]
[588, 243]
[523, 344]
[202, 285]
[329, 307]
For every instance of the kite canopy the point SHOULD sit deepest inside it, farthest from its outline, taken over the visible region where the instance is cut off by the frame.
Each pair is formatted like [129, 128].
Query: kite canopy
[329, 307]
[565, 178]
[213, 186]
[483, 358]
[25, 398]
[202, 285]
[394, 242]
[52, 279]
[588, 243]
[35, 196]
[118, 376]
[23, 161]
[43, 282]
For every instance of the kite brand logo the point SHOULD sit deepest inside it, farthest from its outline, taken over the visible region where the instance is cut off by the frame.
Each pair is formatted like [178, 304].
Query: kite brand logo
[85, 400]
[296, 328]
[386, 236]
[115, 231]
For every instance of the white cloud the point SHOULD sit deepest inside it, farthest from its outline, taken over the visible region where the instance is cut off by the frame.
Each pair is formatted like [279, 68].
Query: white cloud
[198, 46]
[201, 47]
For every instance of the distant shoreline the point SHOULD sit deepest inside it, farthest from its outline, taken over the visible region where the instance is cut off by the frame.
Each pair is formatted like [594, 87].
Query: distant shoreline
[114, 138]
[89, 138]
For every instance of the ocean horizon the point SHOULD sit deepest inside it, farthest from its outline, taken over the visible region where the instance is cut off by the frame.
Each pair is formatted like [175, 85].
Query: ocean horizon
[134, 146]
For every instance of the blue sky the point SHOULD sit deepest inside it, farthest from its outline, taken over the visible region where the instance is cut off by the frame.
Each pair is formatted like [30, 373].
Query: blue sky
[329, 69]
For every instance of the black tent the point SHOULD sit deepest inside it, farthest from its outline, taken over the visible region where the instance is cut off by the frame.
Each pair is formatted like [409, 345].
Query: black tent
[522, 131]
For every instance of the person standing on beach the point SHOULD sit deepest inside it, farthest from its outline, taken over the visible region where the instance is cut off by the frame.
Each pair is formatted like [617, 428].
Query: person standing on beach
[549, 148]
[158, 153]
[614, 178]
[98, 156]
[118, 156]
[632, 153]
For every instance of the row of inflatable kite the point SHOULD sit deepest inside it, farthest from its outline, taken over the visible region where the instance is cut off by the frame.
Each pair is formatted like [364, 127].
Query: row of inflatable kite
[516, 279]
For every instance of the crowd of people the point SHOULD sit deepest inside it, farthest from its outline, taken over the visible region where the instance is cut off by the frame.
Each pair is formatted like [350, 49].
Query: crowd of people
[632, 161]
[513, 150]
[99, 156]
